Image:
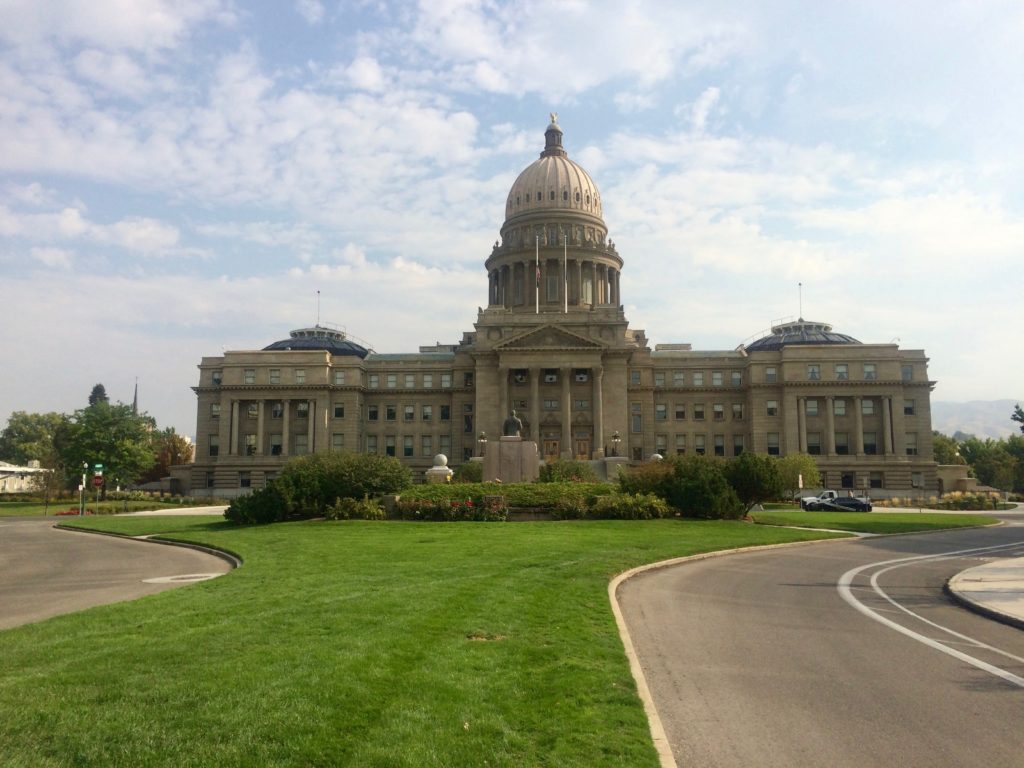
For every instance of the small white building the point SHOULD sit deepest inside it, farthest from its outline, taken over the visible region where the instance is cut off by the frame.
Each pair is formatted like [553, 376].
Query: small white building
[15, 479]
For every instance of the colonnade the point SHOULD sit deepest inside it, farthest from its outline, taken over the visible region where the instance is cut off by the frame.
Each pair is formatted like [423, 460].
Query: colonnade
[236, 429]
[587, 281]
[856, 445]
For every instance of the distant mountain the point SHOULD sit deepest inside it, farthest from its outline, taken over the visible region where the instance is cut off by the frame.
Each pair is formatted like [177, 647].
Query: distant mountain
[981, 418]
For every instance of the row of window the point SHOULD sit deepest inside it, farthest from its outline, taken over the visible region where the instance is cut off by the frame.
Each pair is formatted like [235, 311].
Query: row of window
[842, 443]
[698, 412]
[841, 371]
[390, 444]
[839, 407]
[340, 378]
[697, 378]
[700, 445]
[300, 444]
[373, 412]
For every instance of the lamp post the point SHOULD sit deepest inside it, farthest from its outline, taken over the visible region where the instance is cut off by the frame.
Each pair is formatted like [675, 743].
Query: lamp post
[482, 442]
[81, 489]
[616, 439]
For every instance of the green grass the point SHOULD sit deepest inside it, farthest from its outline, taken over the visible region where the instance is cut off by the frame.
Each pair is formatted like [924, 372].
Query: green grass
[354, 644]
[868, 522]
[36, 509]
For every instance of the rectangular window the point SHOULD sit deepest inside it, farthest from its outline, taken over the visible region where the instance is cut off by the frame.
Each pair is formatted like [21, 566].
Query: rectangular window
[410, 381]
[217, 377]
[373, 413]
[814, 443]
[911, 443]
[846, 480]
[842, 443]
[244, 480]
[467, 424]
[771, 408]
[252, 410]
[839, 407]
[870, 443]
[737, 445]
[638, 453]
[467, 379]
[634, 377]
[579, 405]
[275, 375]
[867, 407]
[842, 371]
[660, 412]
[428, 380]
[276, 410]
[907, 372]
[445, 444]
[209, 479]
[812, 406]
[275, 445]
[718, 412]
[870, 373]
[446, 381]
[339, 378]
[552, 286]
[737, 411]
[371, 443]
[301, 445]
[407, 446]
[581, 375]
[916, 480]
[300, 375]
[680, 444]
[214, 410]
[908, 407]
[636, 418]
[390, 413]
[813, 372]
[680, 412]
[339, 410]
[389, 445]
[661, 444]
[338, 441]
[446, 413]
[678, 378]
[551, 404]
[700, 446]
[302, 409]
[719, 445]
[374, 384]
[408, 412]
[659, 379]
[427, 413]
[876, 479]
[392, 380]
[214, 445]
[736, 379]
[771, 375]
[250, 444]
[249, 376]
[427, 446]
[716, 378]
[773, 443]
[698, 379]
[698, 412]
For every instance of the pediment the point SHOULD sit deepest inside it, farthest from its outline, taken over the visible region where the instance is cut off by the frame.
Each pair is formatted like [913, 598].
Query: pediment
[549, 337]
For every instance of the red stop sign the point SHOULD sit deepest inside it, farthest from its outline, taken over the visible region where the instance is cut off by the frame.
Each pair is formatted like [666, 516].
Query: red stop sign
[97, 480]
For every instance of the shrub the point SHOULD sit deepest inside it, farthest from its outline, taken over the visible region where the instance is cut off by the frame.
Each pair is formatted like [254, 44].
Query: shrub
[533, 495]
[484, 509]
[571, 508]
[265, 505]
[693, 485]
[311, 483]
[355, 509]
[653, 477]
[629, 506]
[566, 470]
[469, 472]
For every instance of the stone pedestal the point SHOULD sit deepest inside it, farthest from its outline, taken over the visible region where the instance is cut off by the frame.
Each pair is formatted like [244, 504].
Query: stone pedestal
[612, 465]
[439, 473]
[511, 460]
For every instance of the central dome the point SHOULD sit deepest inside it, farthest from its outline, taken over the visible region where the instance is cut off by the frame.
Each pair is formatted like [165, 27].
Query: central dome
[553, 183]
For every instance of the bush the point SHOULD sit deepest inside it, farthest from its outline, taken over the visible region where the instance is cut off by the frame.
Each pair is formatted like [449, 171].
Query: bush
[355, 509]
[484, 509]
[627, 506]
[469, 472]
[311, 483]
[566, 470]
[533, 495]
[265, 505]
[695, 486]
[571, 508]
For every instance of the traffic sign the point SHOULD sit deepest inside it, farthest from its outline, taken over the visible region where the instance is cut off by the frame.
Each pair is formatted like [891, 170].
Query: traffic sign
[97, 480]
[98, 468]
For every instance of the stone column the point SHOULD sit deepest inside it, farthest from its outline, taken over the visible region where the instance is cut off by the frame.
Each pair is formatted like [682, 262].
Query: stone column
[529, 281]
[598, 410]
[830, 426]
[233, 447]
[259, 428]
[310, 426]
[567, 452]
[858, 426]
[535, 405]
[887, 426]
[593, 283]
[542, 294]
[579, 283]
[286, 406]
[801, 423]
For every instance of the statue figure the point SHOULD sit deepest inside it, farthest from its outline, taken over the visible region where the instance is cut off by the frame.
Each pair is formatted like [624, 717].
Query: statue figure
[512, 425]
[554, 117]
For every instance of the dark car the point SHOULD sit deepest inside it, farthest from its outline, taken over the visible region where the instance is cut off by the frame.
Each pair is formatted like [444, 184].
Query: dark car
[851, 504]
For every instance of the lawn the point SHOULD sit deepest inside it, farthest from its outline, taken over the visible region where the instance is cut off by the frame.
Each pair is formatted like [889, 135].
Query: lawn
[354, 644]
[871, 522]
[37, 509]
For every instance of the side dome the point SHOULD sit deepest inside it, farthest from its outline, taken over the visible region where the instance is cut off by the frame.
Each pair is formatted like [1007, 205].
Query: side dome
[328, 339]
[553, 182]
[799, 332]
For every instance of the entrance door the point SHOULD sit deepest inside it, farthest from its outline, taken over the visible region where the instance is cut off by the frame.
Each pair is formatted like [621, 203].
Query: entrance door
[550, 450]
[582, 450]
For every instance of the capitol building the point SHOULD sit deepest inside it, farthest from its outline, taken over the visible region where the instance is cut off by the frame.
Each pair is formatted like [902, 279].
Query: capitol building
[553, 343]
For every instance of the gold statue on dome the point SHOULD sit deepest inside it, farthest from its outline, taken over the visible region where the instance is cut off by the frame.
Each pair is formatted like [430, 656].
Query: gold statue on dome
[554, 117]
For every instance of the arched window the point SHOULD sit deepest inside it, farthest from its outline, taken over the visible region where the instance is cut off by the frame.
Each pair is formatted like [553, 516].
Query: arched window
[565, 195]
[588, 198]
[577, 195]
[517, 200]
[539, 197]
[552, 194]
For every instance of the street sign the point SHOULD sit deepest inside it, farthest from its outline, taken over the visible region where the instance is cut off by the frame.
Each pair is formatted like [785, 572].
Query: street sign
[98, 468]
[97, 480]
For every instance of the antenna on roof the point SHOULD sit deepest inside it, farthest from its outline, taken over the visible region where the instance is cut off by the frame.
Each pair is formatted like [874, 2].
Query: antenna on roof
[800, 290]
[318, 307]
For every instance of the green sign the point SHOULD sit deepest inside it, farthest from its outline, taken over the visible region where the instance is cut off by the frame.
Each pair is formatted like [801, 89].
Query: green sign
[99, 466]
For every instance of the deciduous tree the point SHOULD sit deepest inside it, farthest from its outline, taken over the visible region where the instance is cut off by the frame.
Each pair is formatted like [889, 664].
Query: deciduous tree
[110, 435]
[947, 450]
[755, 478]
[29, 436]
[794, 465]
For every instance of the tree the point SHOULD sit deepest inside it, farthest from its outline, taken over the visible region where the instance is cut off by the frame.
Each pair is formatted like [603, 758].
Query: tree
[171, 448]
[992, 463]
[110, 435]
[794, 465]
[29, 436]
[755, 478]
[946, 449]
[98, 395]
[1018, 416]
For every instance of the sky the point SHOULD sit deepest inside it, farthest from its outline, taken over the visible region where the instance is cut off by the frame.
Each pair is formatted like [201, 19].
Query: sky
[181, 178]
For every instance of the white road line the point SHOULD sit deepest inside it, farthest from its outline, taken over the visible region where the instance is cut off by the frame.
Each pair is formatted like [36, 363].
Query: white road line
[846, 592]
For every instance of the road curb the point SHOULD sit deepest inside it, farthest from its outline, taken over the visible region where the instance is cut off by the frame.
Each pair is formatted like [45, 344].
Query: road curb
[235, 561]
[973, 605]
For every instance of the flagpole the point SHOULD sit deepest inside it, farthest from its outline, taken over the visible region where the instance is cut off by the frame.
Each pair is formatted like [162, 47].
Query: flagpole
[565, 274]
[536, 303]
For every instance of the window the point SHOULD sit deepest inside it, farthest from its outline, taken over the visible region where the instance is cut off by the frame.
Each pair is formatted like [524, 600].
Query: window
[301, 445]
[638, 453]
[719, 445]
[244, 480]
[410, 381]
[373, 413]
[908, 407]
[876, 480]
[718, 412]
[302, 409]
[659, 379]
[737, 411]
[428, 380]
[338, 441]
[276, 410]
[870, 443]
[770, 375]
[907, 374]
[275, 445]
[445, 444]
[209, 479]
[467, 379]
[916, 480]
[408, 412]
[550, 375]
[217, 377]
[300, 375]
[427, 413]
[634, 377]
[842, 443]
[214, 410]
[250, 444]
[249, 376]
[407, 446]
[661, 444]
[446, 381]
[371, 443]
[846, 480]
[698, 379]
[811, 406]
[390, 413]
[716, 378]
[275, 375]
[813, 372]
[389, 445]
[446, 413]
[427, 446]
[552, 286]
[698, 412]
[736, 379]
[252, 410]
[579, 405]
[339, 410]
[911, 443]
[814, 443]
[678, 378]
[582, 375]
[551, 404]
[680, 444]
[839, 407]
[467, 423]
[392, 380]
[660, 412]
[842, 371]
[773, 443]
[867, 407]
[869, 372]
[636, 418]
[700, 444]
[680, 412]
[214, 445]
[339, 378]
[737, 445]
[771, 408]
[374, 384]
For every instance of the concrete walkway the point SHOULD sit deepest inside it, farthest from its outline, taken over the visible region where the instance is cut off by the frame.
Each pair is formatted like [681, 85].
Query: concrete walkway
[171, 512]
[995, 589]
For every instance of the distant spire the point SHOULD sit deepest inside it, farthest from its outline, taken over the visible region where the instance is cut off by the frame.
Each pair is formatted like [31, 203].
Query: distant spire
[135, 398]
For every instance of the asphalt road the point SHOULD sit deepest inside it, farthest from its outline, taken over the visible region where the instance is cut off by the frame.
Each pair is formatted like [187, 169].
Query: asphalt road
[46, 572]
[759, 659]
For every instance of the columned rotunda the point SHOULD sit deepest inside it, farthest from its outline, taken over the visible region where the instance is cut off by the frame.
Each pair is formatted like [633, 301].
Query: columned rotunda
[554, 344]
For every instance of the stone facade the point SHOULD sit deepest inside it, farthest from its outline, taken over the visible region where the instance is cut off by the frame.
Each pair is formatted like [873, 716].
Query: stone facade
[554, 344]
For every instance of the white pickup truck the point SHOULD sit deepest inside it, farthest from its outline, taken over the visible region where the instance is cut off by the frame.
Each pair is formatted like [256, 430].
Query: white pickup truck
[831, 500]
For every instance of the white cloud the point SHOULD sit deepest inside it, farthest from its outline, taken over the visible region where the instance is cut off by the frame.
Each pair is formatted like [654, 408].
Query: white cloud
[115, 72]
[52, 257]
[702, 108]
[310, 10]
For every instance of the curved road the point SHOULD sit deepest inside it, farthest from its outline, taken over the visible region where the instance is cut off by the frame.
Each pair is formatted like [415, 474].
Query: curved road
[46, 572]
[764, 659]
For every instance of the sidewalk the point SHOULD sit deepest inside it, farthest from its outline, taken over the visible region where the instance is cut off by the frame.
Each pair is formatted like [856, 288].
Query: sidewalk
[171, 512]
[995, 589]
